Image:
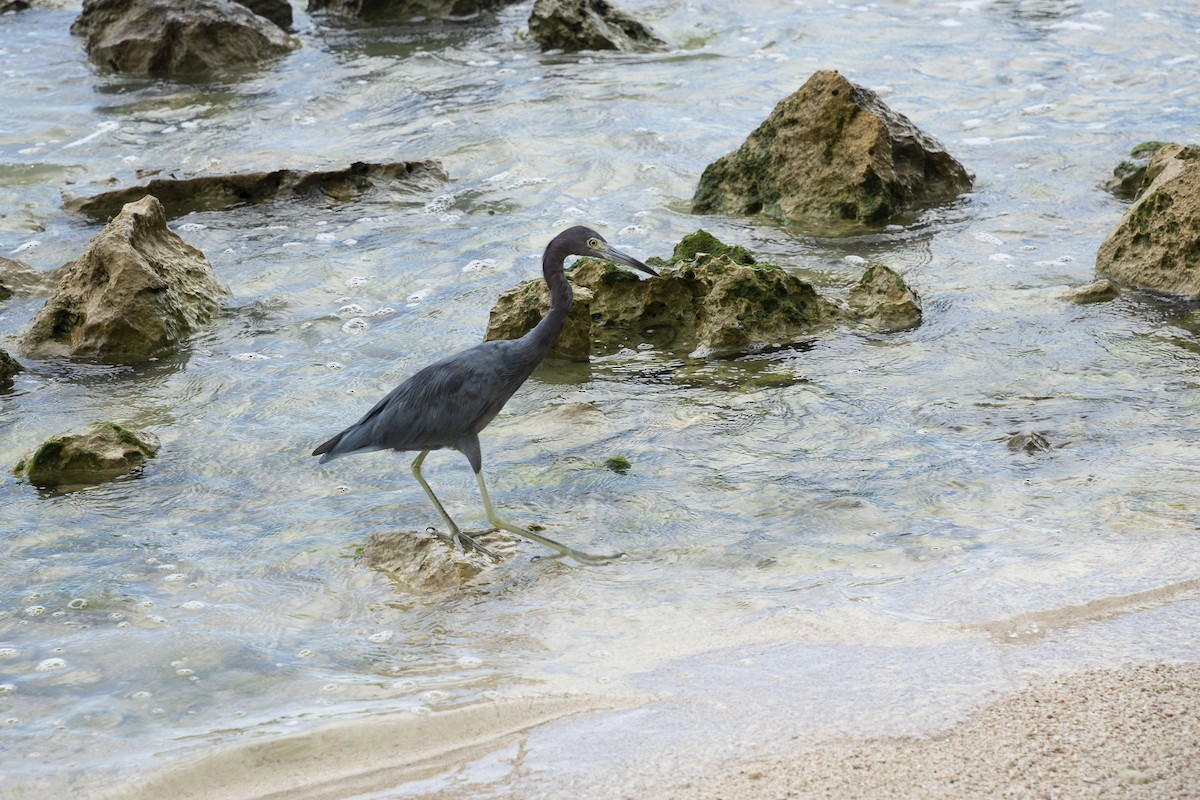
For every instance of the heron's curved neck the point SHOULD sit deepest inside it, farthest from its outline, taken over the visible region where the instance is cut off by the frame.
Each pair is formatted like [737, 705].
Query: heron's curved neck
[546, 331]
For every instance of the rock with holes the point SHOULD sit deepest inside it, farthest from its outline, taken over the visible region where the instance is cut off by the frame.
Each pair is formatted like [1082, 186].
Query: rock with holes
[575, 25]
[199, 39]
[883, 302]
[100, 452]
[1156, 245]
[829, 156]
[137, 291]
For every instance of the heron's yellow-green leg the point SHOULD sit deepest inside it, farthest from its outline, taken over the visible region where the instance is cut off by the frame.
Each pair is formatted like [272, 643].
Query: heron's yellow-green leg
[581, 557]
[456, 537]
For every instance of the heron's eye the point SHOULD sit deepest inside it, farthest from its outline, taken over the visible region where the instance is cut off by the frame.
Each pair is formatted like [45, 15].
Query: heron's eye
[593, 244]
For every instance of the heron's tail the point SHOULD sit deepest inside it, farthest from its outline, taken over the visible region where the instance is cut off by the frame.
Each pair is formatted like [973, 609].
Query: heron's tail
[324, 450]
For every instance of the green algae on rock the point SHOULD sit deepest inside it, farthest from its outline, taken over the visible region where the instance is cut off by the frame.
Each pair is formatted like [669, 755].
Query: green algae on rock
[832, 153]
[1156, 245]
[575, 25]
[100, 452]
[706, 305]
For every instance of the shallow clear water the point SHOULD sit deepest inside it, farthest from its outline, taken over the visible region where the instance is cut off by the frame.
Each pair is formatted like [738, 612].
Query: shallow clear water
[854, 490]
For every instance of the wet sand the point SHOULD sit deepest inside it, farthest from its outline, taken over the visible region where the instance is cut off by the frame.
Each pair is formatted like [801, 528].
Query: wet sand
[1131, 732]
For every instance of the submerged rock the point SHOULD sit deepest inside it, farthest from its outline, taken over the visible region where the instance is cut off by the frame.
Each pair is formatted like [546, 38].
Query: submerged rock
[574, 25]
[1128, 175]
[882, 301]
[1100, 291]
[1156, 245]
[9, 367]
[1029, 442]
[137, 290]
[831, 153]
[706, 305]
[405, 9]
[214, 192]
[20, 279]
[165, 38]
[423, 562]
[100, 452]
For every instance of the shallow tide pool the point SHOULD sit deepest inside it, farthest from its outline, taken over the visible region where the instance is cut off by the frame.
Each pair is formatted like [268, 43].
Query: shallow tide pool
[828, 538]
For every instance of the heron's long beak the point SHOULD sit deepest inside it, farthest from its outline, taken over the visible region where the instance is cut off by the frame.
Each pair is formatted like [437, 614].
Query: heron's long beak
[612, 254]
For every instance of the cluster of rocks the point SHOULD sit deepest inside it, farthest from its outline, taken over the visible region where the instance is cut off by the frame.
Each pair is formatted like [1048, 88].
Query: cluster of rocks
[207, 39]
[710, 300]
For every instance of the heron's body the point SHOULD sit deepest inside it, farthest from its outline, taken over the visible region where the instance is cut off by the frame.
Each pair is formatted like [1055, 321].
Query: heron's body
[449, 402]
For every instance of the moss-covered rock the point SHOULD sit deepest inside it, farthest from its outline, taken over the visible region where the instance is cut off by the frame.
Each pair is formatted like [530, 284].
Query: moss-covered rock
[574, 25]
[883, 302]
[830, 154]
[136, 291]
[9, 367]
[1156, 245]
[708, 304]
[100, 452]
[1129, 175]
[518, 310]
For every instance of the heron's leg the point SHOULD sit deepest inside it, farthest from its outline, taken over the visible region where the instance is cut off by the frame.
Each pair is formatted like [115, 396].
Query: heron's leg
[456, 537]
[581, 557]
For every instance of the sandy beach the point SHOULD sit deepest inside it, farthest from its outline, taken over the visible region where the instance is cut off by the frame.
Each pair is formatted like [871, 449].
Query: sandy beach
[1127, 732]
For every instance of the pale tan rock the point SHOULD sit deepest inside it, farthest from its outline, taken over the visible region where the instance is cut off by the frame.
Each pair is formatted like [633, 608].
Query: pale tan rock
[1156, 245]
[422, 562]
[882, 301]
[519, 309]
[136, 291]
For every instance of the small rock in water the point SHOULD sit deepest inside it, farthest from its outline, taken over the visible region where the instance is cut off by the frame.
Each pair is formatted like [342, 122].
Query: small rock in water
[1100, 291]
[422, 562]
[102, 451]
[1031, 442]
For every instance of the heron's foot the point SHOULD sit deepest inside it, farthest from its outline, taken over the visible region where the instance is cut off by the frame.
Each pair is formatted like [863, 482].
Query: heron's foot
[461, 541]
[563, 550]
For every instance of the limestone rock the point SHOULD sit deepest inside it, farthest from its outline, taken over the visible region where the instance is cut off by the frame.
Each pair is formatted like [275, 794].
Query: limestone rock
[137, 290]
[883, 301]
[421, 562]
[707, 305]
[1100, 291]
[100, 452]
[9, 367]
[832, 153]
[20, 279]
[405, 9]
[1128, 175]
[518, 310]
[1156, 245]
[574, 25]
[214, 192]
[165, 38]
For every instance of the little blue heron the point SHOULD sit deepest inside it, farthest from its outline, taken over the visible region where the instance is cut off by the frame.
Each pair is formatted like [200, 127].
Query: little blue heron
[448, 403]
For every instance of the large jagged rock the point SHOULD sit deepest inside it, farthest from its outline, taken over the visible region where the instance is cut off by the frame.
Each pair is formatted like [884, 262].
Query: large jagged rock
[214, 192]
[1156, 245]
[166, 38]
[20, 279]
[574, 25]
[9, 367]
[883, 302]
[830, 154]
[100, 452]
[421, 562]
[136, 291]
[405, 9]
[705, 304]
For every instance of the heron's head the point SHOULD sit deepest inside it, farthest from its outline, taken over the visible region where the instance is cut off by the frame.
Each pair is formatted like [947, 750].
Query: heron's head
[581, 241]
